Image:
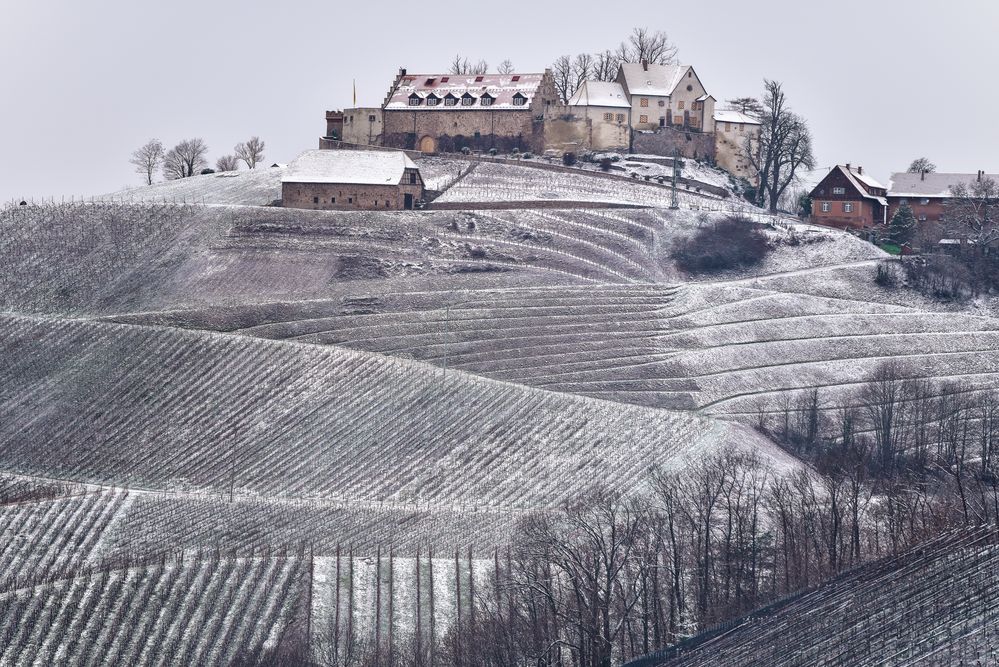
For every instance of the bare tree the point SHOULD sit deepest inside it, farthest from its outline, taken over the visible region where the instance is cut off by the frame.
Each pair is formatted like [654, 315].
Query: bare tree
[227, 163]
[461, 65]
[582, 70]
[505, 67]
[564, 77]
[251, 152]
[605, 66]
[971, 210]
[644, 45]
[784, 148]
[922, 165]
[747, 105]
[148, 159]
[185, 159]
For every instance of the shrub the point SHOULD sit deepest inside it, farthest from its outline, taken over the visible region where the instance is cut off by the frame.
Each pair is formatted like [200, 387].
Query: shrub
[527, 155]
[942, 277]
[731, 243]
[207, 170]
[887, 275]
[466, 150]
[605, 164]
[493, 151]
[568, 158]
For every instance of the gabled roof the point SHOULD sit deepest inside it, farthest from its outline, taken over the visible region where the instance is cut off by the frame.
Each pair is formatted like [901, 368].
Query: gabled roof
[733, 116]
[930, 185]
[862, 183]
[502, 87]
[600, 94]
[347, 166]
[658, 80]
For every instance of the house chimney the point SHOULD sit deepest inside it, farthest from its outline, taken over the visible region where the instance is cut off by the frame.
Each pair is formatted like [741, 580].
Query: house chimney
[848, 166]
[922, 174]
[979, 175]
[645, 65]
[402, 71]
[860, 170]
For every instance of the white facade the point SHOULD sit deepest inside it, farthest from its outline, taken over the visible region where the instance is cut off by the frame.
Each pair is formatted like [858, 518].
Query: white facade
[363, 126]
[666, 96]
[733, 129]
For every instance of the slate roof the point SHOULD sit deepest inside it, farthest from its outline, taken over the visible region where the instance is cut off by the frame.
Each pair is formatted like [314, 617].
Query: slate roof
[733, 116]
[502, 87]
[933, 185]
[347, 166]
[600, 94]
[658, 80]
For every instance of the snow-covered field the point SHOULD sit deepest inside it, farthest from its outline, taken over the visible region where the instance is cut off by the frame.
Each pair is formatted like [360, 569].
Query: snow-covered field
[260, 383]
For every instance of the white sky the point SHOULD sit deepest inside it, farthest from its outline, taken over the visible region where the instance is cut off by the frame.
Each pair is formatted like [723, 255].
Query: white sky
[87, 81]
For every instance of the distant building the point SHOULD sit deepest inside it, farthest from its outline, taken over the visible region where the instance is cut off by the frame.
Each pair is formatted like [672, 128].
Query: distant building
[927, 193]
[849, 198]
[733, 129]
[334, 125]
[352, 180]
[666, 96]
[603, 109]
[363, 126]
[448, 112]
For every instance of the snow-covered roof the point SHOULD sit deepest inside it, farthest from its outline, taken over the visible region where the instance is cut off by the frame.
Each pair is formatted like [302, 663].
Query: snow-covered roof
[600, 94]
[930, 185]
[347, 166]
[733, 116]
[501, 87]
[659, 80]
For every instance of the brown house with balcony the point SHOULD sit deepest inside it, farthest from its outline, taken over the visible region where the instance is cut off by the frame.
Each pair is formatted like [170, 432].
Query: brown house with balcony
[352, 180]
[849, 198]
[449, 112]
[927, 194]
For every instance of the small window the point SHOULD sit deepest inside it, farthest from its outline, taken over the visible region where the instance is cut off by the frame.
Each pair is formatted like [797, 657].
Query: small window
[679, 105]
[432, 101]
[608, 117]
[643, 119]
[922, 218]
[450, 101]
[386, 203]
[414, 100]
[825, 207]
[332, 200]
[839, 191]
[516, 77]
[350, 200]
[924, 201]
[662, 103]
[903, 201]
[689, 88]
[412, 177]
[445, 79]
[847, 207]
[486, 101]
[644, 102]
[478, 79]
[620, 118]
[467, 101]
[371, 118]
[429, 82]
[315, 200]
[662, 121]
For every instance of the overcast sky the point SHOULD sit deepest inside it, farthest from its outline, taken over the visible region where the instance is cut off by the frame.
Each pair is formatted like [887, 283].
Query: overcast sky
[86, 82]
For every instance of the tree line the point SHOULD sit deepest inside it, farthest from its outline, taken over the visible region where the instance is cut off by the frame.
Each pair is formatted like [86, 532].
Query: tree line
[190, 158]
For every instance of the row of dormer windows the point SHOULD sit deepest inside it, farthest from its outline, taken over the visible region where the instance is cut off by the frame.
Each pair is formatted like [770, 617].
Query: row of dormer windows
[466, 100]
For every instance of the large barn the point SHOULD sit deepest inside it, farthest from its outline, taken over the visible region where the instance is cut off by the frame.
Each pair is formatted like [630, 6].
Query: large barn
[448, 112]
[352, 180]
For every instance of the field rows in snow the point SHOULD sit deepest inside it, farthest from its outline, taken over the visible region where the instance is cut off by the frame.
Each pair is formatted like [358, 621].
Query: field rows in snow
[935, 605]
[195, 611]
[165, 409]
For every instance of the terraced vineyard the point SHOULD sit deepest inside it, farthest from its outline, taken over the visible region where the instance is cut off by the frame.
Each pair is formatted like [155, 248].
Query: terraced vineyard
[219, 417]
[937, 605]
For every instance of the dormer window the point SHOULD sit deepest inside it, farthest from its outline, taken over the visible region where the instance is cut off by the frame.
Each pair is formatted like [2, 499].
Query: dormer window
[450, 100]
[519, 100]
[478, 79]
[433, 100]
[486, 100]
[467, 100]
[414, 100]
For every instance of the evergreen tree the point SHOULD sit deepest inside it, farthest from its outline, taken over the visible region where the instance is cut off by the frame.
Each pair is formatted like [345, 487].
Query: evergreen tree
[902, 225]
